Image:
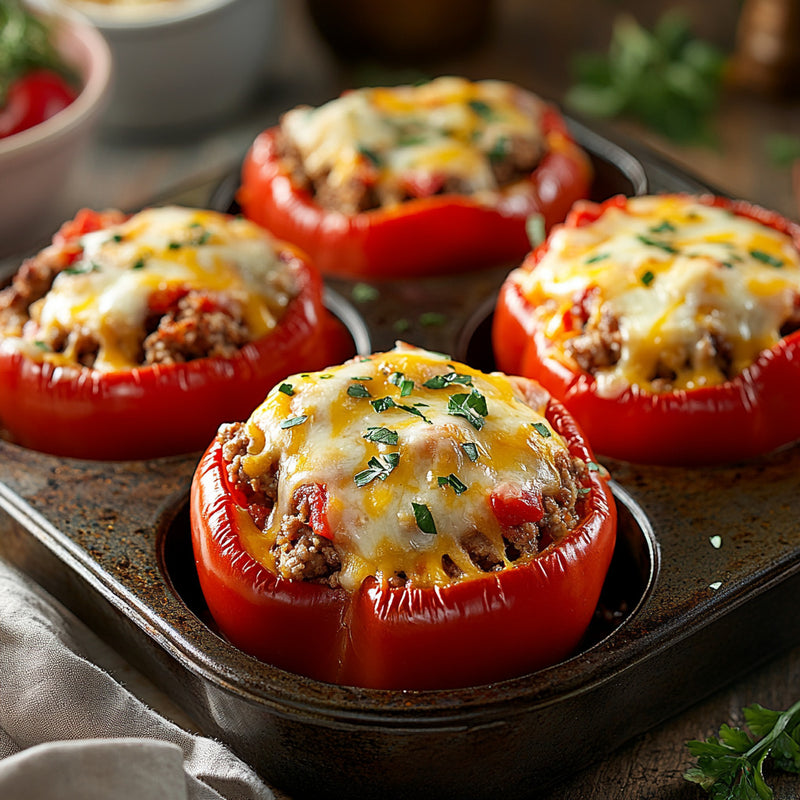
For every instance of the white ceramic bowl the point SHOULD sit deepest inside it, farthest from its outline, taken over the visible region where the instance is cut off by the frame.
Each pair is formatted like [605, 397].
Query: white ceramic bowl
[180, 63]
[35, 163]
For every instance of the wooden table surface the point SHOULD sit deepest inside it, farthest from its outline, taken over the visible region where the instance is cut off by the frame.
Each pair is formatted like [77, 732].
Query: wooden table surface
[529, 43]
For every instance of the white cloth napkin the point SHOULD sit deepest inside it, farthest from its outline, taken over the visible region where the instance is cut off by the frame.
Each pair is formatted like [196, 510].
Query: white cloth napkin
[69, 730]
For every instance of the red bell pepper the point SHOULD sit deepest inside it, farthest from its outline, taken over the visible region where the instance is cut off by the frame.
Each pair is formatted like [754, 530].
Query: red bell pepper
[430, 235]
[494, 626]
[749, 415]
[162, 409]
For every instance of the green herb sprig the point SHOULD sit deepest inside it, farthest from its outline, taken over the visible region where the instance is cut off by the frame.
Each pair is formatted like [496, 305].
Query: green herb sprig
[731, 766]
[666, 78]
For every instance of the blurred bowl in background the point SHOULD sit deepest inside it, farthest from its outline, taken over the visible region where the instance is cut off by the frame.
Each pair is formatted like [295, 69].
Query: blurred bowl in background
[35, 163]
[182, 63]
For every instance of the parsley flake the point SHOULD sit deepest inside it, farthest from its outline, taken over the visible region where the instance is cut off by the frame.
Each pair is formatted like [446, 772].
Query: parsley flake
[766, 258]
[471, 406]
[358, 390]
[667, 248]
[535, 230]
[381, 435]
[542, 429]
[364, 293]
[424, 518]
[481, 108]
[470, 450]
[432, 319]
[648, 277]
[384, 403]
[441, 381]
[596, 258]
[378, 467]
[665, 226]
[451, 480]
[287, 389]
[293, 421]
[370, 155]
[406, 385]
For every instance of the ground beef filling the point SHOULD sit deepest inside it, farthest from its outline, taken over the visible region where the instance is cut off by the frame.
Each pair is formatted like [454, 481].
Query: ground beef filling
[599, 345]
[182, 325]
[301, 554]
[511, 163]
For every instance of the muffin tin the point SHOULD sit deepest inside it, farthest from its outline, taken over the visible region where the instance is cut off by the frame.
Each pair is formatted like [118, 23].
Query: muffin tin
[702, 586]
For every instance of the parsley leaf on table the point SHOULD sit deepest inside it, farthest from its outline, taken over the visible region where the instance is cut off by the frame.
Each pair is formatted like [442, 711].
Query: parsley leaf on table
[730, 767]
[666, 79]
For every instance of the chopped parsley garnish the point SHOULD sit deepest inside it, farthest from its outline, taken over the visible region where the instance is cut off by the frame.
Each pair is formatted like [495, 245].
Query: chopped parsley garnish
[535, 230]
[138, 264]
[453, 481]
[364, 293]
[424, 518]
[361, 378]
[471, 406]
[470, 450]
[432, 319]
[293, 421]
[286, 388]
[598, 257]
[593, 466]
[665, 226]
[441, 381]
[175, 245]
[766, 258]
[500, 149]
[481, 108]
[41, 345]
[665, 246]
[358, 390]
[542, 429]
[381, 435]
[117, 237]
[83, 268]
[370, 155]
[406, 385]
[378, 467]
[384, 403]
[648, 277]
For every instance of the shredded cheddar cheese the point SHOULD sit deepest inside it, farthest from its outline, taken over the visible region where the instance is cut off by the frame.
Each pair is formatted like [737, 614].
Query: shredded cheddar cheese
[408, 460]
[697, 292]
[106, 293]
[393, 137]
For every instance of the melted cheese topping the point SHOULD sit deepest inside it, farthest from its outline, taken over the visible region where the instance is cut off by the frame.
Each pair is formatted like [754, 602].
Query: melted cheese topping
[326, 429]
[105, 294]
[675, 274]
[405, 134]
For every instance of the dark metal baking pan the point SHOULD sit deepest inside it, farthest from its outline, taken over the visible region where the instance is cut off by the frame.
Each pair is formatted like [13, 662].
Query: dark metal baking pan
[682, 610]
